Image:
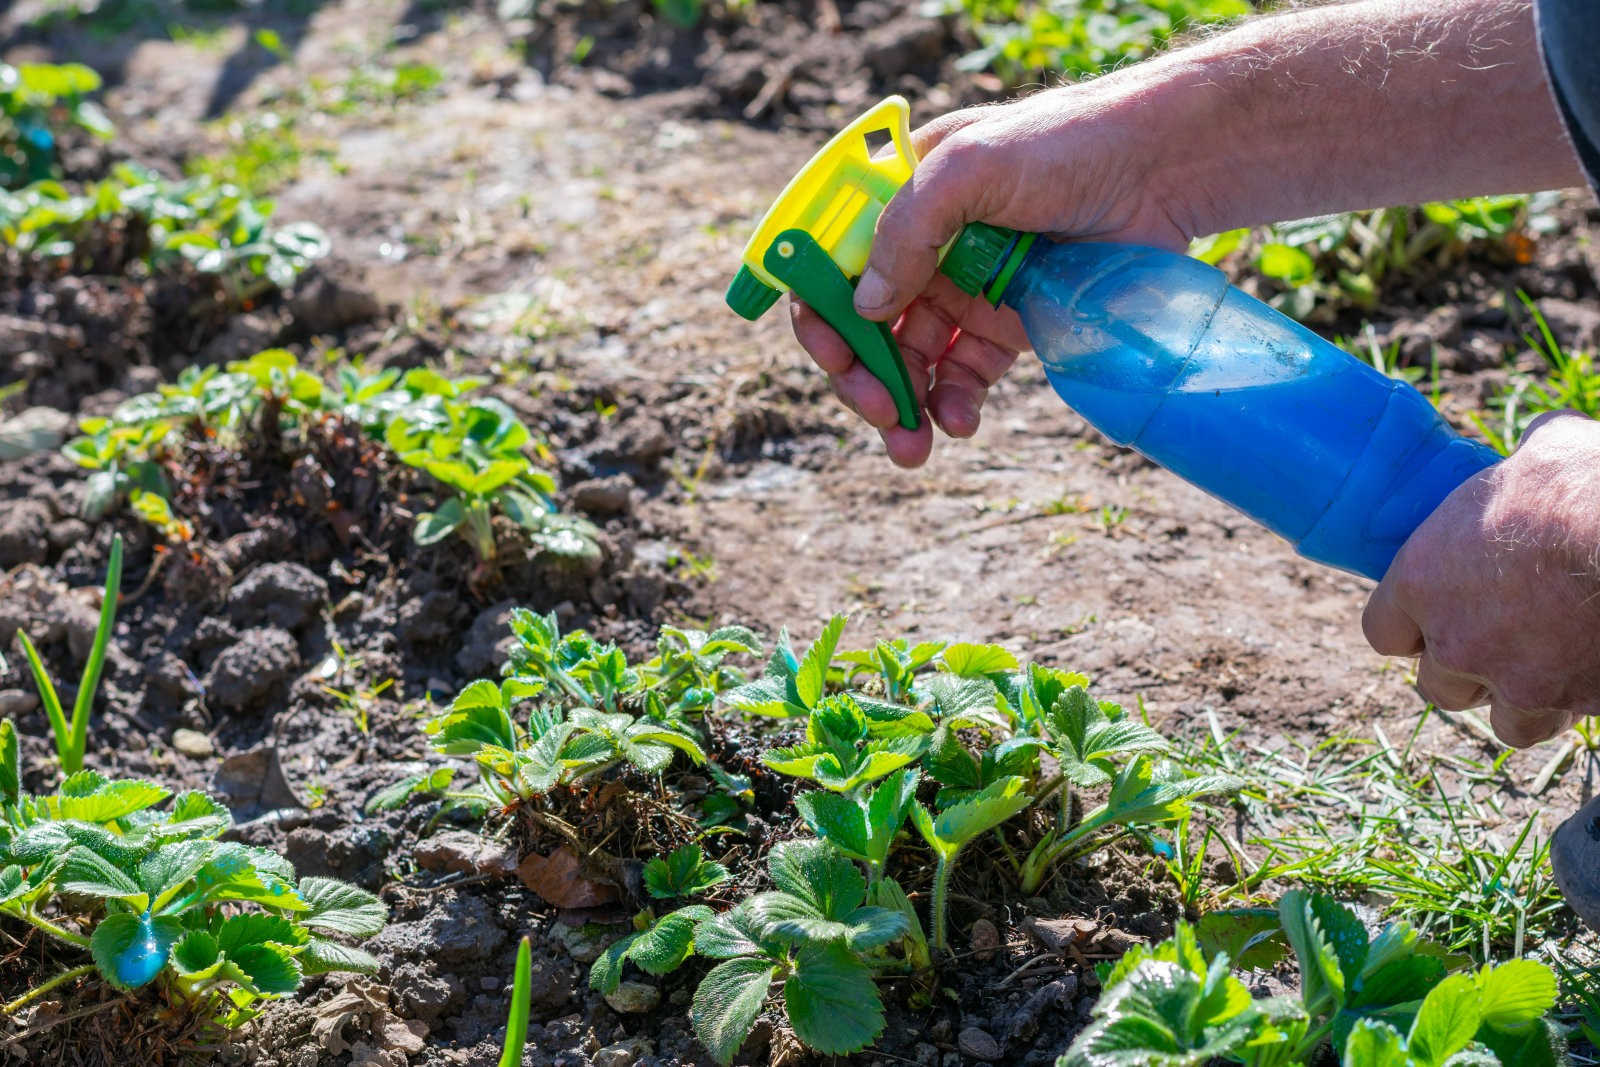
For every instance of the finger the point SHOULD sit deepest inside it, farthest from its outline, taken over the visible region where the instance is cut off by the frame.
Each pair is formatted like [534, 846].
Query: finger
[1389, 629]
[962, 381]
[908, 448]
[1520, 728]
[865, 395]
[821, 341]
[927, 137]
[945, 191]
[1448, 689]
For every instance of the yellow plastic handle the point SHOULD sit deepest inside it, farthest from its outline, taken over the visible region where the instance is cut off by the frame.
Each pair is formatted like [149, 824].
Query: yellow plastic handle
[837, 197]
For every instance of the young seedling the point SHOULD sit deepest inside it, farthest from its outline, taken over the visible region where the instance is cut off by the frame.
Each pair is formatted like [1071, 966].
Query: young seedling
[839, 753]
[222, 924]
[660, 945]
[683, 872]
[862, 824]
[521, 1002]
[72, 736]
[791, 685]
[954, 827]
[811, 935]
[1387, 1002]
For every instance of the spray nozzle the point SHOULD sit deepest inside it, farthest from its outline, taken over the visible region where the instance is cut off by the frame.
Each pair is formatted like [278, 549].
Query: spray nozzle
[816, 237]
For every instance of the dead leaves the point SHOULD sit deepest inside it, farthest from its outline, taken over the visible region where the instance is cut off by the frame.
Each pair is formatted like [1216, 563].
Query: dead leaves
[559, 880]
[365, 1006]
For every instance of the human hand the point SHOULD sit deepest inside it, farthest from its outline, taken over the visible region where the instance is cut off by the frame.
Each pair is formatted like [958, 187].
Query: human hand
[1499, 590]
[1074, 163]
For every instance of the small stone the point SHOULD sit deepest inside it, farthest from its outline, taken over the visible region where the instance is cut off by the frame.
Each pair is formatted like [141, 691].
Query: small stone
[464, 852]
[978, 1045]
[985, 939]
[193, 743]
[623, 1053]
[16, 702]
[584, 943]
[604, 496]
[634, 998]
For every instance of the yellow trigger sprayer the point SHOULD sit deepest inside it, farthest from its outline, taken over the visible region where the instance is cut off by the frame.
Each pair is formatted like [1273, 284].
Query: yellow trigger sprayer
[815, 238]
[1154, 348]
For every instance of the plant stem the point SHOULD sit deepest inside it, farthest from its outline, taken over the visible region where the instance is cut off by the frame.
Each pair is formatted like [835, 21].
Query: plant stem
[941, 901]
[97, 658]
[77, 940]
[40, 990]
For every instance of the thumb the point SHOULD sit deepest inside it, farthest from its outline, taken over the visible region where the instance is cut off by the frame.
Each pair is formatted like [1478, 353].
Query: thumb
[942, 195]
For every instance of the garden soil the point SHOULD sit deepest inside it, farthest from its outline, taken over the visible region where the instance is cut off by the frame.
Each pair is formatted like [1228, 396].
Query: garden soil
[568, 230]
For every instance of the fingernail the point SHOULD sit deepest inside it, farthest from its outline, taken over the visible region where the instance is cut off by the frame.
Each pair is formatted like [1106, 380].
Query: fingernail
[872, 292]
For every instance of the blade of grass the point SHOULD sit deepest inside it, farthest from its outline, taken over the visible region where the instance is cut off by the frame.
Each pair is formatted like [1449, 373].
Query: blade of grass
[521, 999]
[97, 658]
[47, 697]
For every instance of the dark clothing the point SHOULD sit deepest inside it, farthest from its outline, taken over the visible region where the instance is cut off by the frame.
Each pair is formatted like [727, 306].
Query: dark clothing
[1569, 37]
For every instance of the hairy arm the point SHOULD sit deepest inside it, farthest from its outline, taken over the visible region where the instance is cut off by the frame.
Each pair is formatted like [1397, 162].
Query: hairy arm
[1361, 105]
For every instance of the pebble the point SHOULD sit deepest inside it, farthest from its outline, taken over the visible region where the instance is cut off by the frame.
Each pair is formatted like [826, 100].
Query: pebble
[192, 743]
[16, 702]
[978, 1045]
[464, 852]
[985, 939]
[623, 1053]
[635, 998]
[584, 943]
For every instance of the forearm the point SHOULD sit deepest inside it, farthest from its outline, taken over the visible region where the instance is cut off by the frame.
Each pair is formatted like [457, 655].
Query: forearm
[1351, 106]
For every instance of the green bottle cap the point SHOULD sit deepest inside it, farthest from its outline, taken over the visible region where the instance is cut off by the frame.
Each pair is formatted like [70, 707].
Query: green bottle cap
[983, 258]
[749, 296]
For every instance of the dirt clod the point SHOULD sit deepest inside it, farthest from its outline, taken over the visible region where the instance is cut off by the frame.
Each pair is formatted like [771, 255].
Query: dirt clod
[978, 1044]
[255, 666]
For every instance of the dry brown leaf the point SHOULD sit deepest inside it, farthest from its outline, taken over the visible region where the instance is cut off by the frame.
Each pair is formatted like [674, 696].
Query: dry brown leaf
[558, 878]
[366, 1006]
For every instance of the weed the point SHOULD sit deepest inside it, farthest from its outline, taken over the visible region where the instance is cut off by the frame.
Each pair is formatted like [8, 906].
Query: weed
[72, 736]
[1422, 835]
[1572, 381]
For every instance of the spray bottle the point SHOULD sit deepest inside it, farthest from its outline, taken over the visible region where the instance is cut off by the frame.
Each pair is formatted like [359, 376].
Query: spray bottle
[1154, 348]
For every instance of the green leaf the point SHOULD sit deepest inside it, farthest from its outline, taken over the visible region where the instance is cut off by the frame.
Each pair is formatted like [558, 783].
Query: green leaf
[727, 1002]
[811, 679]
[837, 818]
[88, 873]
[682, 873]
[666, 944]
[270, 968]
[1375, 1044]
[1251, 937]
[10, 770]
[977, 661]
[815, 873]
[341, 907]
[434, 526]
[832, 1001]
[171, 866]
[733, 933]
[130, 950]
[194, 814]
[321, 955]
[248, 929]
[960, 823]
[1345, 933]
[1445, 1023]
[1286, 264]
[1321, 977]
[605, 974]
[1515, 993]
[197, 956]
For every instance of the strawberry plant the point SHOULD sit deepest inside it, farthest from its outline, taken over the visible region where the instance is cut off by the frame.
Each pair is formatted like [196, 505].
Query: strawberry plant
[659, 945]
[1387, 1001]
[475, 449]
[221, 925]
[816, 935]
[135, 215]
[38, 102]
[588, 709]
[72, 735]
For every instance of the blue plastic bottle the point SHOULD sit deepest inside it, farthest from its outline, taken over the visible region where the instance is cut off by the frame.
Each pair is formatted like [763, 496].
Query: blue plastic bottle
[1160, 353]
